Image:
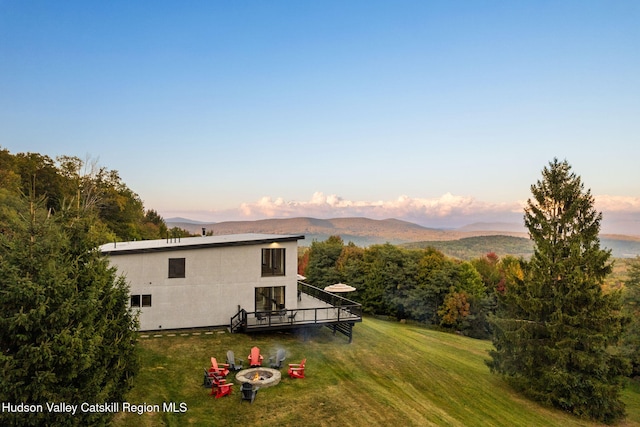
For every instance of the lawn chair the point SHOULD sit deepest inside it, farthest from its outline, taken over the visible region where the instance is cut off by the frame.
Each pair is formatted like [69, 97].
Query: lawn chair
[231, 361]
[261, 317]
[248, 392]
[296, 370]
[292, 317]
[207, 380]
[255, 358]
[276, 362]
[222, 369]
[220, 388]
[211, 378]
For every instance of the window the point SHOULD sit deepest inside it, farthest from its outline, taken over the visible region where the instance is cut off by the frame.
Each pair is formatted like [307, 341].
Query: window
[140, 300]
[273, 262]
[146, 300]
[270, 298]
[176, 268]
[135, 300]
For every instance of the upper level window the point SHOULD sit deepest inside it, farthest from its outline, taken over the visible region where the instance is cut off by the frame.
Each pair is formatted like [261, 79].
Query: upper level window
[176, 268]
[273, 262]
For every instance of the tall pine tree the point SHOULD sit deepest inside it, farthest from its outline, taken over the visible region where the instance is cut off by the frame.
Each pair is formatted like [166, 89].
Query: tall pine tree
[66, 331]
[555, 332]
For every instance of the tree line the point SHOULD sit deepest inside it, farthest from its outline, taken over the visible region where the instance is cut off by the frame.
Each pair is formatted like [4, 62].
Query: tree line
[67, 180]
[421, 285]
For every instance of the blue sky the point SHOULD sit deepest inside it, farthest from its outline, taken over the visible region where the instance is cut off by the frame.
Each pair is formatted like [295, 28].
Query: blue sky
[439, 112]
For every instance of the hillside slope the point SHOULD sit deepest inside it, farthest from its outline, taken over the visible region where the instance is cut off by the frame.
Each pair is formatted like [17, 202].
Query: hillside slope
[392, 374]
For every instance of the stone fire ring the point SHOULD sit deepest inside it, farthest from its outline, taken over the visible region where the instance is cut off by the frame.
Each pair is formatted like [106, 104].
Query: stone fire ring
[268, 377]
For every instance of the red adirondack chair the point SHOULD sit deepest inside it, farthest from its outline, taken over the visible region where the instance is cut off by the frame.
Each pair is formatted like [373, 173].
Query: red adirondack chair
[255, 358]
[296, 370]
[220, 387]
[221, 369]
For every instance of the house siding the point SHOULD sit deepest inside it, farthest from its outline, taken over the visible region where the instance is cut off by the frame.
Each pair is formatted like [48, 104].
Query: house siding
[218, 280]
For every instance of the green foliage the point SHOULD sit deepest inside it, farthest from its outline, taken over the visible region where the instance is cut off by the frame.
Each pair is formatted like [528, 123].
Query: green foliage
[555, 330]
[153, 225]
[70, 182]
[632, 309]
[403, 283]
[66, 331]
[389, 273]
[322, 269]
[39, 177]
[470, 248]
[177, 232]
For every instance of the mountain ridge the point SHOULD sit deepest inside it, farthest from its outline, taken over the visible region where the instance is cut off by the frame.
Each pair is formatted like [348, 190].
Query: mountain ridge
[390, 230]
[366, 232]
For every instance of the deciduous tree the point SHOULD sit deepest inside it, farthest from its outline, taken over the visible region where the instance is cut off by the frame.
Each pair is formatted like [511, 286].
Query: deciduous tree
[322, 269]
[455, 309]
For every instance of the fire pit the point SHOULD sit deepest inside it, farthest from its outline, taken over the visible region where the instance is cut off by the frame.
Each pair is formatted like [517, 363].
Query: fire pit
[260, 377]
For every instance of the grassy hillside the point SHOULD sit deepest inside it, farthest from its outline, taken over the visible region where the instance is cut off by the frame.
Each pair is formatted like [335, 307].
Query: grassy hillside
[476, 247]
[392, 374]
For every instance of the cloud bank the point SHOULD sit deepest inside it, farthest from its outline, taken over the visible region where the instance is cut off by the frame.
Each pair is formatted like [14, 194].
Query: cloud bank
[447, 210]
[626, 204]
[621, 215]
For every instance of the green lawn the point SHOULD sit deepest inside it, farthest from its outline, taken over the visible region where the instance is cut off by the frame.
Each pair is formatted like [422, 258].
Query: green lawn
[391, 374]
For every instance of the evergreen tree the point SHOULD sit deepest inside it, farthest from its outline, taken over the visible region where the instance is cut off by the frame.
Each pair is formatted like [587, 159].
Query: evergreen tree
[556, 331]
[66, 331]
[632, 308]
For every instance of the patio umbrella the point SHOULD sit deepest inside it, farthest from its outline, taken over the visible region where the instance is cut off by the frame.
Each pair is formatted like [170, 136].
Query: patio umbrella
[339, 287]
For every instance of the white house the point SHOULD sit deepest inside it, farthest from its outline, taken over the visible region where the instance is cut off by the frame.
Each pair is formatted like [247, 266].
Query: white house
[205, 281]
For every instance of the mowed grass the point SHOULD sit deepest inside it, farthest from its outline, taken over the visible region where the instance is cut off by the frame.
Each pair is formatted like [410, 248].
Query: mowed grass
[392, 374]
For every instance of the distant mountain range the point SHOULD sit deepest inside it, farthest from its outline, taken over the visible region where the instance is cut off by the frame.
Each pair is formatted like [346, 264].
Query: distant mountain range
[366, 232]
[357, 230]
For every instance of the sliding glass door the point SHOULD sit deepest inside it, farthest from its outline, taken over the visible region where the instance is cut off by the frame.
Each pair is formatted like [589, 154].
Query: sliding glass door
[270, 298]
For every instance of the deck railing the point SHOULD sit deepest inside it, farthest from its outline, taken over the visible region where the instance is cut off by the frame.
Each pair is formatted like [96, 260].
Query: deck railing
[336, 310]
[239, 321]
[330, 298]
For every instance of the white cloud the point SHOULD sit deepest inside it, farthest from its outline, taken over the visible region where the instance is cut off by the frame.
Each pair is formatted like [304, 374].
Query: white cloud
[422, 210]
[607, 203]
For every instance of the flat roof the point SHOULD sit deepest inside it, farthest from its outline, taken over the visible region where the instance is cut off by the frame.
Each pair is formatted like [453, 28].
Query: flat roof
[184, 243]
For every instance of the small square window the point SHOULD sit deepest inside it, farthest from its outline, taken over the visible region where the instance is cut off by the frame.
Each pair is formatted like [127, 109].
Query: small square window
[135, 300]
[176, 268]
[146, 300]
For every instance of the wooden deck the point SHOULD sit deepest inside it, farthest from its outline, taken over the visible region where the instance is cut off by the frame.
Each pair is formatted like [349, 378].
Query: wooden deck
[315, 307]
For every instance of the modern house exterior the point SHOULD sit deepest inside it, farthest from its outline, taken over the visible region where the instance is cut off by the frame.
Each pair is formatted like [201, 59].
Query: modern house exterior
[244, 281]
